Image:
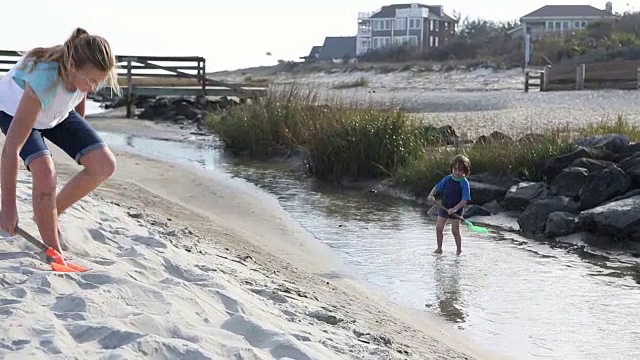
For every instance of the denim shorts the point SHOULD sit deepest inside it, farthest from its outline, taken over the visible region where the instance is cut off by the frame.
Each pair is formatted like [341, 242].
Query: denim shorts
[73, 135]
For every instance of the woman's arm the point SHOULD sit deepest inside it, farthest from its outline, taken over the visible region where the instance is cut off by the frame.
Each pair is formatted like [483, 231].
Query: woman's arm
[19, 130]
[82, 106]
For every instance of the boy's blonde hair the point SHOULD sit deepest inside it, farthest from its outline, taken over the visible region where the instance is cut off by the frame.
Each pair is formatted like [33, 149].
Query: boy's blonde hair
[460, 162]
[82, 50]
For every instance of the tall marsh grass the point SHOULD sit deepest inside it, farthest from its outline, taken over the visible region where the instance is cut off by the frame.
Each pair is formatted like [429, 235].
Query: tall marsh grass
[344, 139]
[355, 141]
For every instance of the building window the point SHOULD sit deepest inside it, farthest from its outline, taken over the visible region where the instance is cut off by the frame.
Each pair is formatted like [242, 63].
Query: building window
[446, 25]
[413, 40]
[381, 25]
[415, 23]
[432, 25]
[380, 42]
[400, 24]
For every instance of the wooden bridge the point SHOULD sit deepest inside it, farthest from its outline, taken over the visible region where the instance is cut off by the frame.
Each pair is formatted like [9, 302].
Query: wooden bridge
[162, 76]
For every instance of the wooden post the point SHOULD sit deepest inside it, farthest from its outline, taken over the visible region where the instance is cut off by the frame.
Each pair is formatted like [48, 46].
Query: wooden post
[198, 73]
[526, 81]
[204, 75]
[544, 78]
[580, 74]
[129, 90]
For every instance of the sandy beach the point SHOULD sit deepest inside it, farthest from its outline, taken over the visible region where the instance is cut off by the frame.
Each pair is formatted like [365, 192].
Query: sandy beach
[187, 264]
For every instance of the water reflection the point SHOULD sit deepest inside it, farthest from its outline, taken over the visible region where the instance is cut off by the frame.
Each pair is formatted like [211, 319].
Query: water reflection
[447, 281]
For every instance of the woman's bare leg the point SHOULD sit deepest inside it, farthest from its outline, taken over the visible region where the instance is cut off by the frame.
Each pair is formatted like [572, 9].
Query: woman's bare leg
[99, 165]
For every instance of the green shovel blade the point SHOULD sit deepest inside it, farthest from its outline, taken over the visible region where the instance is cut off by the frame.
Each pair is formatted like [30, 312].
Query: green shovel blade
[478, 229]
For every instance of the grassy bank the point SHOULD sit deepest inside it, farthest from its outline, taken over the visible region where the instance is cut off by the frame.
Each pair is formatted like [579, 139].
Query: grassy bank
[349, 140]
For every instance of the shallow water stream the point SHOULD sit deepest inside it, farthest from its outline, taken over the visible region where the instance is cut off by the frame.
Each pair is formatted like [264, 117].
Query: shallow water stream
[521, 298]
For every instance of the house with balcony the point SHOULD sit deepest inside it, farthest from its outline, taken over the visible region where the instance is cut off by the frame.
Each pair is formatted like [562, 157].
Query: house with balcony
[423, 26]
[560, 19]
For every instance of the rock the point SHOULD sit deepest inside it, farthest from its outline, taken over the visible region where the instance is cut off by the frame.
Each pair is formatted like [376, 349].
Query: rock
[475, 210]
[614, 143]
[520, 196]
[570, 181]
[592, 165]
[192, 109]
[602, 185]
[486, 187]
[631, 166]
[533, 219]
[551, 167]
[504, 181]
[492, 207]
[561, 223]
[531, 138]
[495, 137]
[186, 110]
[443, 134]
[482, 193]
[618, 219]
[633, 147]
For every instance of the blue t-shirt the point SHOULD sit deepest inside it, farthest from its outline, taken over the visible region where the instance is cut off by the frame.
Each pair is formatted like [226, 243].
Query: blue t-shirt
[43, 79]
[453, 190]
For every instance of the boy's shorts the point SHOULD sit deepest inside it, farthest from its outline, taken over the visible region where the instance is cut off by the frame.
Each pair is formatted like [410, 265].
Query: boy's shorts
[73, 135]
[445, 214]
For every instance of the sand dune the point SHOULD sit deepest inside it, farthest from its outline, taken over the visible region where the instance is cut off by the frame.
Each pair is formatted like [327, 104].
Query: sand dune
[185, 266]
[146, 297]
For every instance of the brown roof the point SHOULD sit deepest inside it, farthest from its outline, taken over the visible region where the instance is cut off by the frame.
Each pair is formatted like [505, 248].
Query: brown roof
[567, 10]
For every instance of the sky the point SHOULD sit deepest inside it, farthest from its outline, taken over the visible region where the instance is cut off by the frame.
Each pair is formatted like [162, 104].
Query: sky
[229, 34]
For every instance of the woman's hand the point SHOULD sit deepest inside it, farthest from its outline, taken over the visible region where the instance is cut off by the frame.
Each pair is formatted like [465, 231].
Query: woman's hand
[9, 221]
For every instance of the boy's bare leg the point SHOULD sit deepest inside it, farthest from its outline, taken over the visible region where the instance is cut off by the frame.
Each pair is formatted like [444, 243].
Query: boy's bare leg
[439, 233]
[455, 230]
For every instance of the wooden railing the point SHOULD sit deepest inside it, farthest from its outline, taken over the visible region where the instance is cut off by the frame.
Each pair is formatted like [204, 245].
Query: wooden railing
[162, 76]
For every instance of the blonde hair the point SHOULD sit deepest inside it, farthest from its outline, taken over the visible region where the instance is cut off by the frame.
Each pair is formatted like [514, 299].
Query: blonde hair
[81, 50]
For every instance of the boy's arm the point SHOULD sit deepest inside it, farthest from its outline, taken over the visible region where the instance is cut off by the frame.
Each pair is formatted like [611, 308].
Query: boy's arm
[438, 187]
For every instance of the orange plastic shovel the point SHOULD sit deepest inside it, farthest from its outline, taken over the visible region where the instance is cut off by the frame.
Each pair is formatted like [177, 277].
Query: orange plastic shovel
[58, 263]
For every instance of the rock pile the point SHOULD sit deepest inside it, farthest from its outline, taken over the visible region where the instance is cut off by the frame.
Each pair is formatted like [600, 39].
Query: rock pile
[594, 189]
[174, 109]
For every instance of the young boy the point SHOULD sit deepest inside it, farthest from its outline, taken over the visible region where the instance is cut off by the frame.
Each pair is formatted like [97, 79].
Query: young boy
[455, 195]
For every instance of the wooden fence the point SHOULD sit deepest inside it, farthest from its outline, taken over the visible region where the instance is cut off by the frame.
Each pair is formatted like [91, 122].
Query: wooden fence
[162, 76]
[621, 74]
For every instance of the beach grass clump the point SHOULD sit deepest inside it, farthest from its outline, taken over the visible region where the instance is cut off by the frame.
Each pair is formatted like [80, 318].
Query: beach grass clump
[618, 126]
[360, 143]
[343, 139]
[514, 158]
